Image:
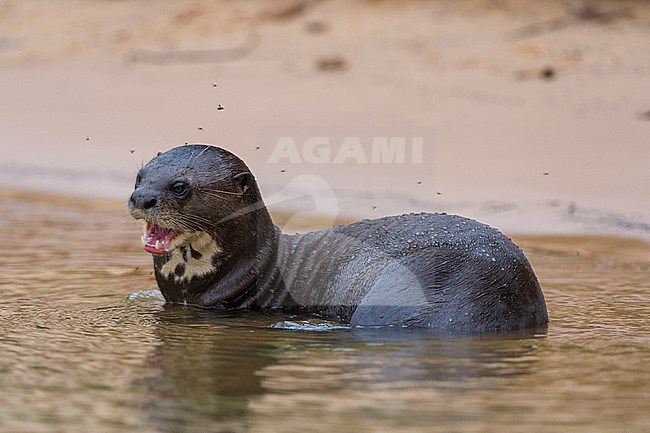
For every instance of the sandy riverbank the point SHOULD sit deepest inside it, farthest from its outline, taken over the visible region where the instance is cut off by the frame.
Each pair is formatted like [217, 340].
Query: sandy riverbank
[534, 116]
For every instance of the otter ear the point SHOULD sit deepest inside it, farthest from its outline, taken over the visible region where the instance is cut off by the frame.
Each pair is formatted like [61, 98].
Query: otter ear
[243, 180]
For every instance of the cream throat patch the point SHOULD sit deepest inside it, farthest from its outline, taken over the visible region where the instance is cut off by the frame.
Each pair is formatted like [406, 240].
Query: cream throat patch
[192, 257]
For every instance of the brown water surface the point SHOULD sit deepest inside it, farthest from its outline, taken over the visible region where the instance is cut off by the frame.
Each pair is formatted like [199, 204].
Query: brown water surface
[77, 355]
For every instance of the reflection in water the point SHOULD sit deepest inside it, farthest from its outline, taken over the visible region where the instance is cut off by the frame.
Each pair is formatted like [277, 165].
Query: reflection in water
[219, 371]
[78, 356]
[202, 373]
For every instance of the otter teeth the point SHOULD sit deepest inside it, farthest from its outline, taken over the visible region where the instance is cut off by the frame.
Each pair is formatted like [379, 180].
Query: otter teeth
[157, 239]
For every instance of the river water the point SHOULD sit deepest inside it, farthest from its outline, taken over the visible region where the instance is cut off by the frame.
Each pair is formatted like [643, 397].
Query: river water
[77, 355]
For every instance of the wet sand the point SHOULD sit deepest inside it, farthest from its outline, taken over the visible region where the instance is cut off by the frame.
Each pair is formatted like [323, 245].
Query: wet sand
[535, 114]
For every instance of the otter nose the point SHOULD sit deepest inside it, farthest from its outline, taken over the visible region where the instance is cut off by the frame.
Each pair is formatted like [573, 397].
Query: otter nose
[148, 204]
[143, 200]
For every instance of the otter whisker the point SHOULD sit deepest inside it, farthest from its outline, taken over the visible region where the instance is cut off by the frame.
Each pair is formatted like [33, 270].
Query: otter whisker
[216, 192]
[192, 224]
[188, 217]
[194, 155]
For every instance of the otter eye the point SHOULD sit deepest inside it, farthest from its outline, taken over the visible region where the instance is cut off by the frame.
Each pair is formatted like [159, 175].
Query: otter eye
[180, 189]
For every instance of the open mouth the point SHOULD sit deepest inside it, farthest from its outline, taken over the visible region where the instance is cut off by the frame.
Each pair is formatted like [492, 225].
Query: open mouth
[157, 239]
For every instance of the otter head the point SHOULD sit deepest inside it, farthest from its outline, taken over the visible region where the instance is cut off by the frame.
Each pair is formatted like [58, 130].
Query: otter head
[199, 205]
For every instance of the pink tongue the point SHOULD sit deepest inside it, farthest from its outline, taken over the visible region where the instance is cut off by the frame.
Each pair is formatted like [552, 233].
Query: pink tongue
[157, 239]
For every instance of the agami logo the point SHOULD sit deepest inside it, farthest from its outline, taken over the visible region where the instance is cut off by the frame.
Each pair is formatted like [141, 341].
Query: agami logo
[350, 149]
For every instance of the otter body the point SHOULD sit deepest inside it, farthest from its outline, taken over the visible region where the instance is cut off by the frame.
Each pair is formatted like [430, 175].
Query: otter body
[215, 246]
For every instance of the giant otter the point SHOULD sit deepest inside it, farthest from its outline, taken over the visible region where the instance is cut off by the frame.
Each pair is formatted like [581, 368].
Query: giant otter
[214, 245]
